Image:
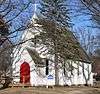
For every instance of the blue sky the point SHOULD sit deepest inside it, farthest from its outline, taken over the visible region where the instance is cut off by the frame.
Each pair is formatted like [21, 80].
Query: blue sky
[78, 21]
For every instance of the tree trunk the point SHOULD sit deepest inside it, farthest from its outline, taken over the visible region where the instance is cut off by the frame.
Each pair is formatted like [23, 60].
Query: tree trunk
[56, 71]
[86, 80]
[7, 82]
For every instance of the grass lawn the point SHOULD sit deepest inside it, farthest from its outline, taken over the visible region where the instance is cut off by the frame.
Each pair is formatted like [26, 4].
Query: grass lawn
[56, 90]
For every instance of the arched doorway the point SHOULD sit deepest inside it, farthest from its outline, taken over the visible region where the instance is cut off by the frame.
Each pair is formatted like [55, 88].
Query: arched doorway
[24, 73]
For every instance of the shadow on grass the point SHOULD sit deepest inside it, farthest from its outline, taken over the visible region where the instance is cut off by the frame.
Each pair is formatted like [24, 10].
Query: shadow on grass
[2, 88]
[96, 92]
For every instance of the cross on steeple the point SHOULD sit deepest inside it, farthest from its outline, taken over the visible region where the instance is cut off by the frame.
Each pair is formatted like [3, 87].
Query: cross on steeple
[35, 10]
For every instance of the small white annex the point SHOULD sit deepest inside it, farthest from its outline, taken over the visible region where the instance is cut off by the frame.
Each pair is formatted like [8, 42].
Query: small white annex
[43, 73]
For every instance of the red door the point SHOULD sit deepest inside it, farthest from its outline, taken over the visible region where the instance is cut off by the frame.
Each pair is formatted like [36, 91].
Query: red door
[25, 73]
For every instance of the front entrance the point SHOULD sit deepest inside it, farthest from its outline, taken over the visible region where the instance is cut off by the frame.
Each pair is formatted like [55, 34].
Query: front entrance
[24, 73]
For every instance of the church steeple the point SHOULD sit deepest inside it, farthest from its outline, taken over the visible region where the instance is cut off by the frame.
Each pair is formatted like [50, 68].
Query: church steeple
[35, 12]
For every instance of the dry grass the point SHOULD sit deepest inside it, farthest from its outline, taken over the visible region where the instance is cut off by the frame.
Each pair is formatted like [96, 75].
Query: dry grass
[56, 90]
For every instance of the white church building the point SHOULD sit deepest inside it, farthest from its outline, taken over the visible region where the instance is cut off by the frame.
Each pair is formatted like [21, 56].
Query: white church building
[25, 70]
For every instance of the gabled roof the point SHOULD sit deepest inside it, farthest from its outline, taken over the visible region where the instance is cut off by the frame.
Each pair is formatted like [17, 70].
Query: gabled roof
[36, 57]
[71, 48]
[79, 52]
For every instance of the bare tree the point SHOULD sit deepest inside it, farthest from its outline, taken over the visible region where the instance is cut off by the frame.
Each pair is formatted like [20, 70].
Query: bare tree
[11, 18]
[55, 35]
[12, 23]
[94, 8]
[6, 65]
[87, 39]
